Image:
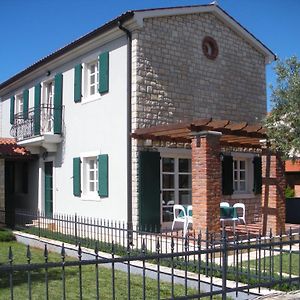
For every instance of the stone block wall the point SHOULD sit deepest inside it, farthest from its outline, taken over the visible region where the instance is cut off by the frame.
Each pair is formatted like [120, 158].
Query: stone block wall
[173, 81]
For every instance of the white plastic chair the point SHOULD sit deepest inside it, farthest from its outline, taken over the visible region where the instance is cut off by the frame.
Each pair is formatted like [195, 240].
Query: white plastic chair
[226, 204]
[180, 216]
[243, 216]
[189, 216]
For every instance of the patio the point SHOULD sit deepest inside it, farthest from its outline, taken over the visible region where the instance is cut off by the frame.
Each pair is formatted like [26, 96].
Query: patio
[210, 140]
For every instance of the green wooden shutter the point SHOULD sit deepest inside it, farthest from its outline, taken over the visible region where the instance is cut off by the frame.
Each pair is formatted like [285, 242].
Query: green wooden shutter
[37, 110]
[58, 90]
[227, 175]
[149, 190]
[257, 180]
[103, 72]
[25, 104]
[103, 175]
[76, 177]
[12, 110]
[77, 83]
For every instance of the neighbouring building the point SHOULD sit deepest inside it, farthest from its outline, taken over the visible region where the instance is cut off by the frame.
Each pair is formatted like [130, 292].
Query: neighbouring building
[156, 107]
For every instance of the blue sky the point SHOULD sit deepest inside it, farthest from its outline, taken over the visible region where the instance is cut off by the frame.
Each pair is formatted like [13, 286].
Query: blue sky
[31, 29]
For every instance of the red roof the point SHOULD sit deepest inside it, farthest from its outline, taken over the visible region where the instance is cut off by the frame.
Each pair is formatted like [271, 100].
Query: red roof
[9, 147]
[291, 166]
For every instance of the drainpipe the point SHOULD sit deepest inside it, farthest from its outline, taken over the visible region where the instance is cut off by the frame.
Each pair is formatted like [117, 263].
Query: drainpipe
[129, 144]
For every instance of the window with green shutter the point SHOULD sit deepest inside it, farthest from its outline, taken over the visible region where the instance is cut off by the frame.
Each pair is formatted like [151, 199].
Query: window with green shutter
[58, 92]
[37, 110]
[103, 175]
[77, 176]
[103, 72]
[25, 104]
[257, 175]
[77, 83]
[12, 110]
[227, 175]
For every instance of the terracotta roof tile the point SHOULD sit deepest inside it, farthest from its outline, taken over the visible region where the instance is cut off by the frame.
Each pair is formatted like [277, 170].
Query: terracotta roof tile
[9, 147]
[291, 166]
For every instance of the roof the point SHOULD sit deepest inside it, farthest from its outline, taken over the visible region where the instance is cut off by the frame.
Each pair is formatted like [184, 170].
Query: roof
[9, 148]
[233, 134]
[292, 166]
[139, 16]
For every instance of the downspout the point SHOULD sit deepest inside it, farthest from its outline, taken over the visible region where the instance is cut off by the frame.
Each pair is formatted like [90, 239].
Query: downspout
[129, 127]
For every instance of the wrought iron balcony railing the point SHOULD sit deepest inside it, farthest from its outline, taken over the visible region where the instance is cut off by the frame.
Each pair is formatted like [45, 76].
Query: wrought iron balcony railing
[46, 119]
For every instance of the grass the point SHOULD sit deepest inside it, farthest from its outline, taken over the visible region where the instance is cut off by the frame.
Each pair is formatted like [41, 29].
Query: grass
[287, 265]
[72, 280]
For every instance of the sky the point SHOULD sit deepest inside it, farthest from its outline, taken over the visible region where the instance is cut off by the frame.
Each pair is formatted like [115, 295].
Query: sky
[32, 29]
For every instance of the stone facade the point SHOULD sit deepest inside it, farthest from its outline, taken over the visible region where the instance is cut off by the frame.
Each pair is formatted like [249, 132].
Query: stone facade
[173, 81]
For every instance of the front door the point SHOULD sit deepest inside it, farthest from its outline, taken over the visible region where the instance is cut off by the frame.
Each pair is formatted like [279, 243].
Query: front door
[49, 189]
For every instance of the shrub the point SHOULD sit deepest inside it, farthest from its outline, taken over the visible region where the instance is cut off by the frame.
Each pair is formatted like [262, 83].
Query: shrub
[289, 192]
[6, 235]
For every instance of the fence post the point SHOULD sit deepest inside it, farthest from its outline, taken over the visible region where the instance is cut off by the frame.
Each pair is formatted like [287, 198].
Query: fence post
[38, 217]
[75, 220]
[224, 265]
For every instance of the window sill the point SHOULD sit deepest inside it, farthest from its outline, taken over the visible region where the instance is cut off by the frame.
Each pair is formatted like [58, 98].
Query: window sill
[90, 197]
[90, 99]
[243, 196]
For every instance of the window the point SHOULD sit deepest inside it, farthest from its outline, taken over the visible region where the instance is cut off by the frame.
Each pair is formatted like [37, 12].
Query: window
[176, 184]
[239, 175]
[92, 79]
[19, 104]
[90, 171]
[47, 107]
[242, 173]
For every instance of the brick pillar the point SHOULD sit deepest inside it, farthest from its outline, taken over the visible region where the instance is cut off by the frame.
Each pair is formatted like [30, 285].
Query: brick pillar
[206, 181]
[273, 188]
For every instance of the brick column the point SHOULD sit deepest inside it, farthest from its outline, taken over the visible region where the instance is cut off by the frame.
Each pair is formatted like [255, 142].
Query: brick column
[206, 181]
[273, 188]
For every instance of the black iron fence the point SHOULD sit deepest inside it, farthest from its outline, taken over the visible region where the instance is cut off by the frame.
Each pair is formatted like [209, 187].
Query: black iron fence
[166, 265]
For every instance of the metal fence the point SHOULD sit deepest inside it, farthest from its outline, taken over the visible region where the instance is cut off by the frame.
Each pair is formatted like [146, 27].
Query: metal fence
[175, 268]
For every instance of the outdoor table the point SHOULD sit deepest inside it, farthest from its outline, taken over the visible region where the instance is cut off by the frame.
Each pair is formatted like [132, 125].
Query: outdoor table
[228, 213]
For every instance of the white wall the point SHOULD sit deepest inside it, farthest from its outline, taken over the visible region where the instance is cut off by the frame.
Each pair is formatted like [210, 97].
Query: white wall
[98, 126]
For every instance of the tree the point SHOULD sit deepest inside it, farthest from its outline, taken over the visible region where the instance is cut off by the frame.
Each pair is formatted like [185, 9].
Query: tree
[283, 122]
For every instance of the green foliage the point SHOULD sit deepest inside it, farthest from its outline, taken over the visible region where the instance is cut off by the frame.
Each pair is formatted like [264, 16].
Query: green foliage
[289, 192]
[6, 235]
[283, 123]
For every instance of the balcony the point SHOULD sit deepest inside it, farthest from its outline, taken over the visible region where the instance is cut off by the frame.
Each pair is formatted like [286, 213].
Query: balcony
[41, 128]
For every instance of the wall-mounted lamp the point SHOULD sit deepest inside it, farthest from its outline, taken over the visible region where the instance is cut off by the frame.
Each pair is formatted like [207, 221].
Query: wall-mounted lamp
[45, 155]
[221, 156]
[48, 73]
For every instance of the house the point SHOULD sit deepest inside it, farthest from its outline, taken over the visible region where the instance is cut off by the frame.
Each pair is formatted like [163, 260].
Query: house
[292, 171]
[119, 118]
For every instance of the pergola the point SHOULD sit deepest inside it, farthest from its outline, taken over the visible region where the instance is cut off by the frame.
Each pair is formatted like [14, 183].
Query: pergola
[207, 137]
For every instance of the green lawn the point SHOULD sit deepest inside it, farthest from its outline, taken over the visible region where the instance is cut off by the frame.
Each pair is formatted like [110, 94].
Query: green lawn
[72, 280]
[286, 266]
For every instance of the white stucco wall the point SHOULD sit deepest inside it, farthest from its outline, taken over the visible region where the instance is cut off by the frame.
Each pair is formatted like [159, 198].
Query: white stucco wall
[97, 127]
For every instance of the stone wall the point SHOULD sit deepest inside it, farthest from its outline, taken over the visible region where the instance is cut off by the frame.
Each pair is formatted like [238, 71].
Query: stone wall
[172, 80]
